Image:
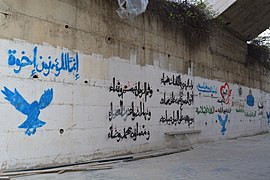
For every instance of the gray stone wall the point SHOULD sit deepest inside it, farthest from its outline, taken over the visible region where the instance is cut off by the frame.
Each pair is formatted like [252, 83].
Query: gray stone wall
[92, 26]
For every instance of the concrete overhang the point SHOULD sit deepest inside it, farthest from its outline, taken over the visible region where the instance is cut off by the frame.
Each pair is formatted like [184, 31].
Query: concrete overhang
[246, 18]
[219, 6]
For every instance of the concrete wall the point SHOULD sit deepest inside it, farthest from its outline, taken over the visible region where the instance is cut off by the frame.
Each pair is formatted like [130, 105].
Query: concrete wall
[82, 84]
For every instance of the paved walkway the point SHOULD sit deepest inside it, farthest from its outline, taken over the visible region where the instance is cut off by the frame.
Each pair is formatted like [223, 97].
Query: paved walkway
[240, 159]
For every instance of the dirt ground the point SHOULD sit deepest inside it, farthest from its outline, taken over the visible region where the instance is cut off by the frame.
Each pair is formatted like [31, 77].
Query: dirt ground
[246, 158]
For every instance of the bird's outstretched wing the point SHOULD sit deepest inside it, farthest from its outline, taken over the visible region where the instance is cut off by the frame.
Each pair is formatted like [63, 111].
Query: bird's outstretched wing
[46, 98]
[16, 100]
[221, 121]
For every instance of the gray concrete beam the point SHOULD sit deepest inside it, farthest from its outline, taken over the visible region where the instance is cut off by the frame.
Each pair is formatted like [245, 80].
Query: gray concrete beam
[248, 18]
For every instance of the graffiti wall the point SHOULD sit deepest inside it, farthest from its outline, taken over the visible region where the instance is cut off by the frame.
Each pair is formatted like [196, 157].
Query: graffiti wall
[59, 106]
[228, 109]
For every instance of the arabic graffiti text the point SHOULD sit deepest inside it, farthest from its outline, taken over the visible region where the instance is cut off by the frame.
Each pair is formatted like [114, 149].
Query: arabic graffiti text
[177, 81]
[129, 111]
[128, 132]
[176, 118]
[212, 110]
[137, 89]
[207, 89]
[45, 65]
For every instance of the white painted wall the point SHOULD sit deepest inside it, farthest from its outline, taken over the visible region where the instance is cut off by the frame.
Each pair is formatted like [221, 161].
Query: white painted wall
[81, 108]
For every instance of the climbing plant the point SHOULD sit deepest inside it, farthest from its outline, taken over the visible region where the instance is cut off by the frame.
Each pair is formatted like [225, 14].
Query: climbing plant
[194, 18]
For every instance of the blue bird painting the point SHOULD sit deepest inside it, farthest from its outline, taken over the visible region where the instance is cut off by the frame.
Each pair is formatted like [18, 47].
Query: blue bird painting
[32, 110]
[223, 123]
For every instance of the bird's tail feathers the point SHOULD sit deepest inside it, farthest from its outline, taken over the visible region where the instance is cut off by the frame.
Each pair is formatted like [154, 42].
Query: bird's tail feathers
[32, 124]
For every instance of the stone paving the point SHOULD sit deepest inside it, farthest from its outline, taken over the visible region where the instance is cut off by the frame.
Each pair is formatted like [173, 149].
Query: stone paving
[246, 158]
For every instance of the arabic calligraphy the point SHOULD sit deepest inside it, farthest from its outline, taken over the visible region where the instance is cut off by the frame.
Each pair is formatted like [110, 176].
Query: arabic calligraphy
[212, 110]
[238, 103]
[177, 81]
[240, 110]
[205, 110]
[129, 132]
[132, 111]
[181, 99]
[246, 112]
[240, 91]
[205, 88]
[250, 113]
[43, 65]
[174, 100]
[176, 118]
[138, 90]
[223, 110]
